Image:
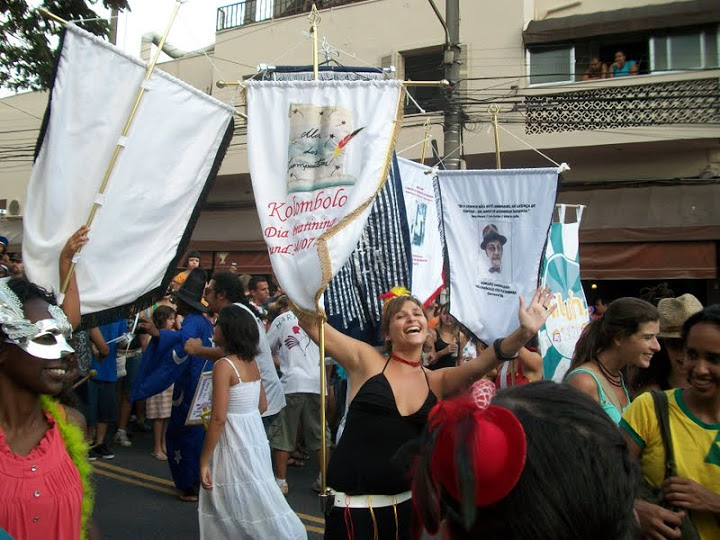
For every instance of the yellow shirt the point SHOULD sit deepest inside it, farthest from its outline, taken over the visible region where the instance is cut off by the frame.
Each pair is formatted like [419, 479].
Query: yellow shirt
[695, 443]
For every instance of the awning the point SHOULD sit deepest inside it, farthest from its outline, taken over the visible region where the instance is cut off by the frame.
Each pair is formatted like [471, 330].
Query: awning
[668, 260]
[629, 20]
[683, 211]
[648, 231]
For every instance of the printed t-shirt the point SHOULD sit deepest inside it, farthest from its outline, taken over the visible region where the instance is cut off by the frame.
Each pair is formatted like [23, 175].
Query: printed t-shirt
[299, 356]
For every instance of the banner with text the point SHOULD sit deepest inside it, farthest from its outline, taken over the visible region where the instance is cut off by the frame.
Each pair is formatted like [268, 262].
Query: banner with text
[319, 152]
[161, 177]
[561, 271]
[425, 239]
[495, 224]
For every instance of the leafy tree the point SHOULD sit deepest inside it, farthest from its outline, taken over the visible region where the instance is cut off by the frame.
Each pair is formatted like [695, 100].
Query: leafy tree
[27, 58]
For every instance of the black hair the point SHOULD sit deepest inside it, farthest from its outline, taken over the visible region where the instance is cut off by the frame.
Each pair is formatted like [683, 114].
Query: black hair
[240, 332]
[192, 255]
[25, 290]
[579, 480]
[709, 315]
[622, 319]
[255, 280]
[161, 315]
[229, 283]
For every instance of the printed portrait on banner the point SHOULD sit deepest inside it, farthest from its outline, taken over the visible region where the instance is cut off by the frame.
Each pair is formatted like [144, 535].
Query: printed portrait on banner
[318, 137]
[495, 255]
[417, 229]
[495, 224]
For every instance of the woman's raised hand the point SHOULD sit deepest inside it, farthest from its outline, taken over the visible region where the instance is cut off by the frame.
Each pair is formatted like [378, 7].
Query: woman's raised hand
[533, 317]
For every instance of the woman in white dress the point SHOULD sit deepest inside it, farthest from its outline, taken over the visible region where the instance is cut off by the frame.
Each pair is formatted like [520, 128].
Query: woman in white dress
[240, 498]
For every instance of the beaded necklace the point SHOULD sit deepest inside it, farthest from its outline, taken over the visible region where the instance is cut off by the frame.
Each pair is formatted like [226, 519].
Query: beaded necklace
[404, 361]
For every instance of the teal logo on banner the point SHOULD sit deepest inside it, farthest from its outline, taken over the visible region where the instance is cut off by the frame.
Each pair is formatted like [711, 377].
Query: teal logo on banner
[561, 271]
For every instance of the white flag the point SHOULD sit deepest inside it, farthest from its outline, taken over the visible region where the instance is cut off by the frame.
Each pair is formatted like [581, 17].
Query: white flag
[319, 153]
[169, 157]
[495, 224]
[425, 240]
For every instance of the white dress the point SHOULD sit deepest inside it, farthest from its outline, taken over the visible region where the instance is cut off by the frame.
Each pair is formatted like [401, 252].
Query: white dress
[245, 501]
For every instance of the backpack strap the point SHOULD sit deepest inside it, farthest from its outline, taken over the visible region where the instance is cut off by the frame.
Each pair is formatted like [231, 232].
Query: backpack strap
[662, 411]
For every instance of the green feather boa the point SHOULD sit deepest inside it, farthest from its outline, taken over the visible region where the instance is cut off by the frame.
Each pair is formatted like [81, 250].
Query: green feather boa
[77, 449]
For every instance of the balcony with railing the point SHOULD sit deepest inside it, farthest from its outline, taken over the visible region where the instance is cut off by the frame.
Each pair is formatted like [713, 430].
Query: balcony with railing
[672, 99]
[254, 11]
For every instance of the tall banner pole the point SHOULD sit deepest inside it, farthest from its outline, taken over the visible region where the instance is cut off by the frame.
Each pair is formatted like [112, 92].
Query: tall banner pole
[121, 142]
[314, 20]
[495, 110]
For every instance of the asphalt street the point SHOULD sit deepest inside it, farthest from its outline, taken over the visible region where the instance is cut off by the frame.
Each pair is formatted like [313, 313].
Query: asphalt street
[136, 499]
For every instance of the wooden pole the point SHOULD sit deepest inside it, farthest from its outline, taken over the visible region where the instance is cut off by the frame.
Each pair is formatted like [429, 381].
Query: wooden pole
[495, 110]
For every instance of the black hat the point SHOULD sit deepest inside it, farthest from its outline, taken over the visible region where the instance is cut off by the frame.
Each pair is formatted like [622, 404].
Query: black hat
[491, 233]
[191, 291]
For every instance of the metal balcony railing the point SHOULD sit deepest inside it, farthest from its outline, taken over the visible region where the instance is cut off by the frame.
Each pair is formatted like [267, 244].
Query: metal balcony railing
[253, 11]
[691, 101]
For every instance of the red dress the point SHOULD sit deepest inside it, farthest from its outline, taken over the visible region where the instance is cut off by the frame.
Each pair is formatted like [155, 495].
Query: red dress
[41, 493]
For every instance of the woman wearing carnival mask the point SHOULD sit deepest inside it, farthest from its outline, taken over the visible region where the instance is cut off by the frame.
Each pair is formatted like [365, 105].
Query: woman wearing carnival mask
[44, 472]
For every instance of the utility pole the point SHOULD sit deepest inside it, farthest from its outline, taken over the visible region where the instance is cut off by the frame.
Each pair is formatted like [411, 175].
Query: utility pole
[452, 126]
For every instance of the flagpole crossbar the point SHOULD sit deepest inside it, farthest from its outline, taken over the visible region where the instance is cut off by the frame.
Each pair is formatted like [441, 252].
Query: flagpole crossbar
[443, 82]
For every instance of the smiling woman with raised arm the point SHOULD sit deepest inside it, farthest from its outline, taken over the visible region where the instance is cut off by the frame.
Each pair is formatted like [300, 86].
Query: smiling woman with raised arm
[389, 404]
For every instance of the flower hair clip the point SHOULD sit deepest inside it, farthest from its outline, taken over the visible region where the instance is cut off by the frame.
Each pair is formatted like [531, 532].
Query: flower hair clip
[395, 292]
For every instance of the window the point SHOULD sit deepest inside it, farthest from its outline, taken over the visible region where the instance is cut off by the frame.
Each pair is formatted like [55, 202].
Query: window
[685, 50]
[552, 64]
[427, 66]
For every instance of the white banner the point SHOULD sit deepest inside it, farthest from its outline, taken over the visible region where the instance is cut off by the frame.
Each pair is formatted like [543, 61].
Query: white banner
[561, 272]
[425, 239]
[172, 150]
[495, 224]
[319, 152]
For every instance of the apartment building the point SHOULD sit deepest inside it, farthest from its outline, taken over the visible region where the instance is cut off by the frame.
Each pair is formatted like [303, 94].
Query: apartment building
[644, 148]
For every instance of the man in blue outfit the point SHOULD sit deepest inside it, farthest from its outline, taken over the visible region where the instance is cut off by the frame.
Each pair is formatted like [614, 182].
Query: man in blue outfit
[165, 363]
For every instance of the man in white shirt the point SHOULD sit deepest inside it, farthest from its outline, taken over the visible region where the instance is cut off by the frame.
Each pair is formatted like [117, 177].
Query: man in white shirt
[299, 359]
[225, 289]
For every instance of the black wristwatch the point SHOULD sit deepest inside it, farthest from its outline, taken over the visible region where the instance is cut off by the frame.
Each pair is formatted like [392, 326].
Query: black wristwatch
[499, 354]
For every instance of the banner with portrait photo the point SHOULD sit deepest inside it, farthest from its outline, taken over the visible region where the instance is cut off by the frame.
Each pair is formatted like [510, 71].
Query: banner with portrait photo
[495, 224]
[319, 153]
[561, 272]
[425, 239]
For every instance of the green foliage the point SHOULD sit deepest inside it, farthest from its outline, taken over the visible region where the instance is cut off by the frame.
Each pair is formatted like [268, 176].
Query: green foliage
[27, 38]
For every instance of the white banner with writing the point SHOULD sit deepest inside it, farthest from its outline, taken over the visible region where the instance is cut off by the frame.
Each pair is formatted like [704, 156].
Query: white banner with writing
[319, 152]
[425, 240]
[495, 224]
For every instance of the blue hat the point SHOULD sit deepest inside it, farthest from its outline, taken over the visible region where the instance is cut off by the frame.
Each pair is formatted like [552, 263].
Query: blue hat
[4, 241]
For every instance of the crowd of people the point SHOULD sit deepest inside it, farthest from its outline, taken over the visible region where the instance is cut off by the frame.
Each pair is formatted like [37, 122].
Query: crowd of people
[436, 431]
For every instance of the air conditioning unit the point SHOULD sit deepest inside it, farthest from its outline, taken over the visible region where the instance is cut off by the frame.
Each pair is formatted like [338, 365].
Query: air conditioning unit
[13, 208]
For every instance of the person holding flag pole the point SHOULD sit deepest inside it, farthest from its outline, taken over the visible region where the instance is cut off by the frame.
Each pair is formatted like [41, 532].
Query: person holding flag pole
[389, 404]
